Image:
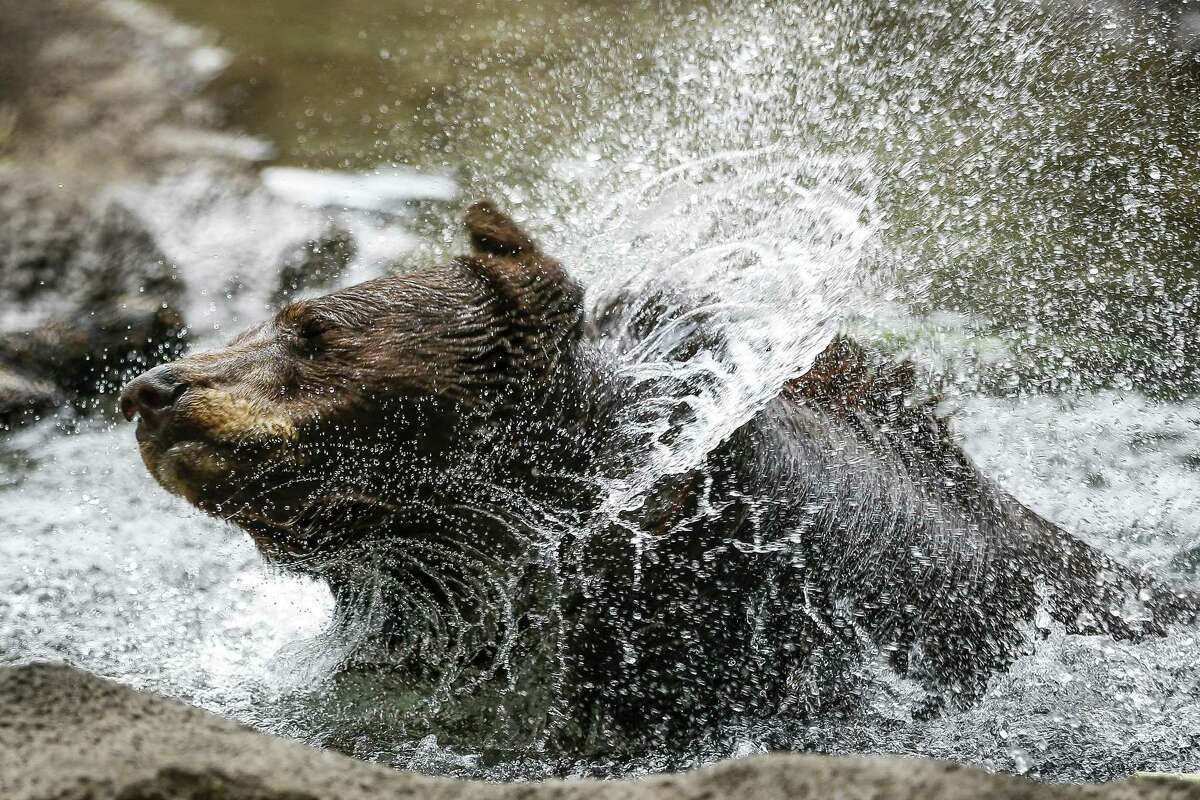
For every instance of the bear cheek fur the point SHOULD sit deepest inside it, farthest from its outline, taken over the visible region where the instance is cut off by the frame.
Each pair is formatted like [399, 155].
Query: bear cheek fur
[239, 395]
[230, 417]
[258, 407]
[234, 400]
[186, 469]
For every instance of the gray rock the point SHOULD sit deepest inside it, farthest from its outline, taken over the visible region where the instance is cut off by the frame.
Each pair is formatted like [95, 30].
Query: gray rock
[24, 399]
[93, 96]
[69, 735]
[60, 247]
[91, 350]
[102, 91]
[315, 264]
[85, 293]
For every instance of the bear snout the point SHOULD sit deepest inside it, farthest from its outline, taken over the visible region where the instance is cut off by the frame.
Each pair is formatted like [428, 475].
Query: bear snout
[152, 395]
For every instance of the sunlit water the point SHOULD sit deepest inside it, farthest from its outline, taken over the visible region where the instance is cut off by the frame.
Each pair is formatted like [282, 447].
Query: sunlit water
[1001, 191]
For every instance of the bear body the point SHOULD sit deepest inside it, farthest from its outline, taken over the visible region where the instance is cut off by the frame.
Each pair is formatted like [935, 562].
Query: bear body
[442, 449]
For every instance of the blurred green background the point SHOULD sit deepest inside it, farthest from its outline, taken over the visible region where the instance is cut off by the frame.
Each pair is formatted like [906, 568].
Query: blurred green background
[351, 84]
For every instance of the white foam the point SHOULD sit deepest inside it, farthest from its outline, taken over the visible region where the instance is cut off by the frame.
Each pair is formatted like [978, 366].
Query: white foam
[228, 235]
[387, 190]
[1117, 467]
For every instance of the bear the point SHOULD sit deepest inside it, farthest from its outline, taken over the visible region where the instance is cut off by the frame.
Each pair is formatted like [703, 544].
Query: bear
[443, 447]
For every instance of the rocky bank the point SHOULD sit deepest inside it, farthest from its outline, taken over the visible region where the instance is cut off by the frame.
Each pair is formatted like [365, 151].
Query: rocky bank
[69, 735]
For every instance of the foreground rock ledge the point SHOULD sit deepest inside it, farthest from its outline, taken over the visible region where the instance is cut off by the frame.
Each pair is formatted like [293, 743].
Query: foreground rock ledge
[67, 734]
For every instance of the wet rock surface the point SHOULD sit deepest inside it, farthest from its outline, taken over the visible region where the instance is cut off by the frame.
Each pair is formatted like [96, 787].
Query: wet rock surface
[315, 264]
[98, 90]
[68, 734]
[53, 242]
[88, 294]
[24, 399]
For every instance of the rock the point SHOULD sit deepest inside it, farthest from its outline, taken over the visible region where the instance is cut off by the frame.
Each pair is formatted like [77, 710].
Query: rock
[92, 351]
[85, 89]
[316, 264]
[99, 91]
[61, 248]
[69, 735]
[24, 399]
[95, 98]
[87, 293]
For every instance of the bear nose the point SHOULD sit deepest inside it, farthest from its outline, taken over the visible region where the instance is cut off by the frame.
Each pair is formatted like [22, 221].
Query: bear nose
[151, 394]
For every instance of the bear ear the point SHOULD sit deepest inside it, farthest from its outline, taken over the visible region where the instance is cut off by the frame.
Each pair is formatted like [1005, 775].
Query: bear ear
[494, 233]
[544, 306]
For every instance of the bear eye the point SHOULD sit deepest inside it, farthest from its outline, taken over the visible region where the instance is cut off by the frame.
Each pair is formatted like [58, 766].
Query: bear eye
[310, 330]
[313, 327]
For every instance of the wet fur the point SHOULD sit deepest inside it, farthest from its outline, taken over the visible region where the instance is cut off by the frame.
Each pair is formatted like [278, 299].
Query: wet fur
[410, 440]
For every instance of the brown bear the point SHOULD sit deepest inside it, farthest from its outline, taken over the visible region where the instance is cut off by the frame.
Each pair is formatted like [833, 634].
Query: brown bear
[440, 447]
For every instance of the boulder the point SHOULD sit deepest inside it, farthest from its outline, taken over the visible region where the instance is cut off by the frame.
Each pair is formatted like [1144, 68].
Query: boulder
[69, 735]
[24, 399]
[315, 264]
[85, 293]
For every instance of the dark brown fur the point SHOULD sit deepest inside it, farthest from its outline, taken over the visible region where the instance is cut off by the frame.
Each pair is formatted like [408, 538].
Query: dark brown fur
[435, 446]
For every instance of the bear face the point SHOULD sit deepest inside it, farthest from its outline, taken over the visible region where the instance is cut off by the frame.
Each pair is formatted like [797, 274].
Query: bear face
[315, 408]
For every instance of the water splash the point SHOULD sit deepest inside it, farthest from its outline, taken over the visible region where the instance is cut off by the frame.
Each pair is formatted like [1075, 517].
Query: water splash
[979, 186]
[761, 250]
